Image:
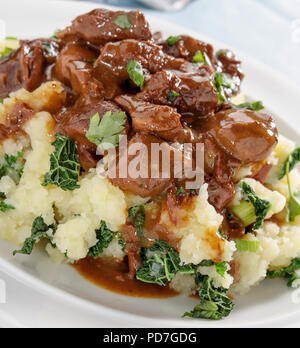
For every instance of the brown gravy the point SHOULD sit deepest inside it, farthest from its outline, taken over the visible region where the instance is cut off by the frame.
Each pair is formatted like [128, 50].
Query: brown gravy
[113, 275]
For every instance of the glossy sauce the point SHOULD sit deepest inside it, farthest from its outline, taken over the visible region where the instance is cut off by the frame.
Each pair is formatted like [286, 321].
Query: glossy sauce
[112, 275]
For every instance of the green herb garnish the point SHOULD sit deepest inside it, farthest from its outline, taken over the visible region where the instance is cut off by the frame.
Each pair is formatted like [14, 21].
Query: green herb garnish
[288, 273]
[161, 262]
[39, 230]
[64, 165]
[172, 40]
[4, 207]
[245, 211]
[135, 72]
[221, 268]
[104, 236]
[214, 304]
[294, 202]
[137, 216]
[172, 95]
[200, 57]
[105, 133]
[12, 167]
[123, 21]
[255, 106]
[290, 163]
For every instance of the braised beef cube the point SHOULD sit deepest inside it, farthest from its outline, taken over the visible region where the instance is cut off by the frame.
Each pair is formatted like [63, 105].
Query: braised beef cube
[146, 174]
[74, 67]
[110, 67]
[160, 120]
[190, 92]
[24, 67]
[248, 136]
[101, 26]
[227, 63]
[75, 120]
[220, 195]
[187, 47]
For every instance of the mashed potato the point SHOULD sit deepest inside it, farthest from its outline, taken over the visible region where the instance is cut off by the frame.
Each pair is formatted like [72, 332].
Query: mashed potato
[78, 213]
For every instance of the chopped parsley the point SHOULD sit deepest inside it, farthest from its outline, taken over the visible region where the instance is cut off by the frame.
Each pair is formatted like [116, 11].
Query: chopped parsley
[135, 72]
[105, 133]
[172, 40]
[137, 215]
[180, 192]
[200, 57]
[290, 273]
[160, 264]
[219, 78]
[221, 268]
[64, 165]
[123, 21]
[172, 95]
[214, 304]
[255, 106]
[39, 230]
[104, 236]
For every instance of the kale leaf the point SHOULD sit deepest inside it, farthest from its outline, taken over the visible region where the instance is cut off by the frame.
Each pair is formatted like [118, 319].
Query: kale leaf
[261, 206]
[161, 262]
[104, 236]
[12, 166]
[64, 165]
[214, 304]
[294, 201]
[290, 163]
[137, 216]
[287, 272]
[39, 230]
[105, 133]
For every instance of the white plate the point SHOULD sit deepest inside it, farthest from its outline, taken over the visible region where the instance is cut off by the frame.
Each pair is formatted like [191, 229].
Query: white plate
[270, 304]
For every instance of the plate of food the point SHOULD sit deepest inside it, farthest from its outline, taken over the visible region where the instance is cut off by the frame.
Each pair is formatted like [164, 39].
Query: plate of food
[146, 172]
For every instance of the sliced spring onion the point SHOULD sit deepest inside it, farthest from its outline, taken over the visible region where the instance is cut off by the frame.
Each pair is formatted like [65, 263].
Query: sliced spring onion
[245, 211]
[247, 245]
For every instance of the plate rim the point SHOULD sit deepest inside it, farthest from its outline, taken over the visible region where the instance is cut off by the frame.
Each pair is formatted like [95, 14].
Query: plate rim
[62, 295]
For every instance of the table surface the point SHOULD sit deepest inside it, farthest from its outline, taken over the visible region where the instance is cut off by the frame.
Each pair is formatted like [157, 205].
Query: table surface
[266, 29]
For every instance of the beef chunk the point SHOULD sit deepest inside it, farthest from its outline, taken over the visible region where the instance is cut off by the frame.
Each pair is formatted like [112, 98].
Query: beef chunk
[98, 27]
[141, 181]
[74, 67]
[249, 136]
[227, 63]
[194, 91]
[161, 120]
[23, 68]
[187, 47]
[110, 67]
[75, 121]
